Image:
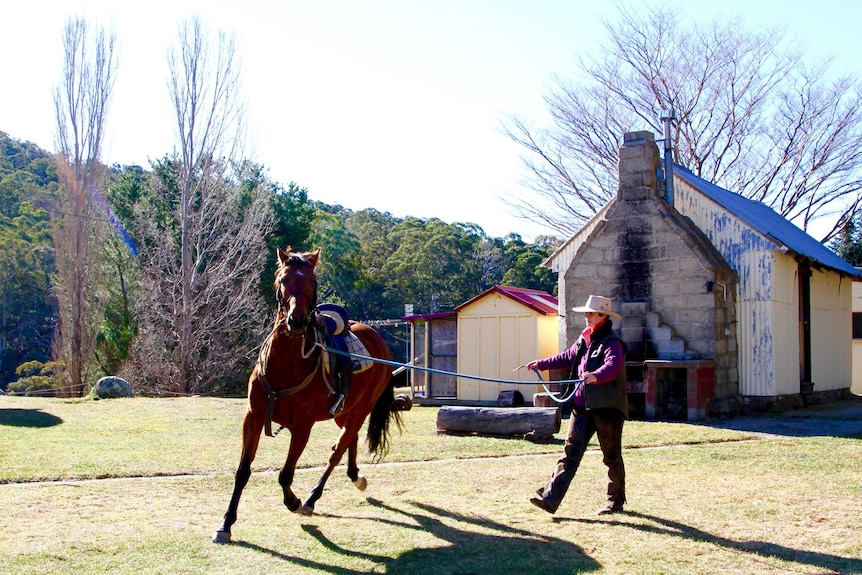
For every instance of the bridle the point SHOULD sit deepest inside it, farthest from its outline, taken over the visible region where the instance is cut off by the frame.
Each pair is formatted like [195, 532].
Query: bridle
[283, 300]
[308, 332]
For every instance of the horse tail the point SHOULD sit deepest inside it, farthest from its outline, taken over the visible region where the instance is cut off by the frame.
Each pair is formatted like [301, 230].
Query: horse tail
[383, 413]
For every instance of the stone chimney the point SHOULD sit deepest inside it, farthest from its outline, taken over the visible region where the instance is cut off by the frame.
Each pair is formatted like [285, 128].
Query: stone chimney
[637, 194]
[638, 167]
[659, 269]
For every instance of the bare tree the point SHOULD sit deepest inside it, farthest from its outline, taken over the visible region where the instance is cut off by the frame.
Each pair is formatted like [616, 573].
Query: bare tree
[202, 307]
[751, 117]
[81, 105]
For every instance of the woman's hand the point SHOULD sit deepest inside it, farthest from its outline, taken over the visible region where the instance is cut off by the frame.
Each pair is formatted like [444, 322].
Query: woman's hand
[589, 377]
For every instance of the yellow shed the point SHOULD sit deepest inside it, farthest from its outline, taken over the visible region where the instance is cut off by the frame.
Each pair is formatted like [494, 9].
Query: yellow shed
[498, 330]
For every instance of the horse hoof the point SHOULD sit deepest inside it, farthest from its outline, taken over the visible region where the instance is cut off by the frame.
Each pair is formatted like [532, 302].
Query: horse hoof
[306, 511]
[361, 483]
[221, 536]
[293, 507]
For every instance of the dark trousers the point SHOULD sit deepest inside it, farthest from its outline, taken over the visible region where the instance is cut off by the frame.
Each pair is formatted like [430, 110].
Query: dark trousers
[583, 424]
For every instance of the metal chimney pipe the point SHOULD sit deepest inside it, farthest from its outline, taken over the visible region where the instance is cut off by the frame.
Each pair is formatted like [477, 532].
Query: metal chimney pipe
[667, 116]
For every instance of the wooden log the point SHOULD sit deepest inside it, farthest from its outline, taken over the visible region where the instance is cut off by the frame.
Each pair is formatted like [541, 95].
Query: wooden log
[543, 400]
[541, 421]
[510, 398]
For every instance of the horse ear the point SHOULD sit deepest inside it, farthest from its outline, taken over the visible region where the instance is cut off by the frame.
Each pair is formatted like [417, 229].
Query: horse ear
[282, 254]
[312, 257]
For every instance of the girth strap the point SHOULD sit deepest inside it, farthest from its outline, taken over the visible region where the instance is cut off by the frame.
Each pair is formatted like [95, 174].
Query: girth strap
[273, 395]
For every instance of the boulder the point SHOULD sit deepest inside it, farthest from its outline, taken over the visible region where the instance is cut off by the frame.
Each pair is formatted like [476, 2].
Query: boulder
[111, 386]
[510, 398]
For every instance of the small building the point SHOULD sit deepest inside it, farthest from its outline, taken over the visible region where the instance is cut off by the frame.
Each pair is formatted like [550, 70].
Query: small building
[711, 286]
[487, 337]
[499, 330]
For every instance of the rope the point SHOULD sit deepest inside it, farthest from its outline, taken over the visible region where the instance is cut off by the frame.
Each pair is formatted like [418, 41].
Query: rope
[442, 372]
[578, 383]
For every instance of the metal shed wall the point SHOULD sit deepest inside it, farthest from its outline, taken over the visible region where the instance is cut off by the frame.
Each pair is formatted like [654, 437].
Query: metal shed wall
[769, 271]
[831, 331]
[769, 329]
[786, 349]
[755, 259]
[856, 387]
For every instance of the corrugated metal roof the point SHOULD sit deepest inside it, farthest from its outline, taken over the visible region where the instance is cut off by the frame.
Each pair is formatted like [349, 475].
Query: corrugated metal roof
[769, 223]
[537, 300]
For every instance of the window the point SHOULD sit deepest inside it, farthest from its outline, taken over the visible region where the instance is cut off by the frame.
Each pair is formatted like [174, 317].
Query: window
[857, 325]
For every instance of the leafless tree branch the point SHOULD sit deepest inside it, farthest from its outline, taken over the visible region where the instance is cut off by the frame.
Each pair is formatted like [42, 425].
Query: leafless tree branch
[81, 105]
[751, 117]
[203, 307]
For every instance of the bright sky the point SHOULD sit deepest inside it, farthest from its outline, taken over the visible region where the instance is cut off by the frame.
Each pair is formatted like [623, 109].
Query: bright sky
[389, 104]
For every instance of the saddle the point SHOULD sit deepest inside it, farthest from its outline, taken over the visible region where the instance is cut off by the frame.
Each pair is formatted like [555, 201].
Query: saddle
[342, 363]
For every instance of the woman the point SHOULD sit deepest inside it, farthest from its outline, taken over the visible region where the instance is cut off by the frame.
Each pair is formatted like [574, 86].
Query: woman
[600, 405]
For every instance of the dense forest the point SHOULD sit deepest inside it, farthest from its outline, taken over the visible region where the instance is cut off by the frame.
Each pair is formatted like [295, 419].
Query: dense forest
[371, 262]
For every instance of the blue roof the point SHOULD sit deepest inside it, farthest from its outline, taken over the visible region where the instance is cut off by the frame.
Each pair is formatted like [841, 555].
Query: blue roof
[768, 222]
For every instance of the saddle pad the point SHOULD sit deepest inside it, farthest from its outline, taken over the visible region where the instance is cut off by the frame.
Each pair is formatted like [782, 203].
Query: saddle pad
[354, 346]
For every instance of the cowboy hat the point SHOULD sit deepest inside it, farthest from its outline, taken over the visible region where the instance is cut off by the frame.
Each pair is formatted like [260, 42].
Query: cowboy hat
[598, 304]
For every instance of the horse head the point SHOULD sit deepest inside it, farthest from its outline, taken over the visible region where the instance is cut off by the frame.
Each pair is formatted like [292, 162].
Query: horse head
[296, 288]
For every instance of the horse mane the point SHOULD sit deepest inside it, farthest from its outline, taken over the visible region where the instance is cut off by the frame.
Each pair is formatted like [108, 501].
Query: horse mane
[286, 257]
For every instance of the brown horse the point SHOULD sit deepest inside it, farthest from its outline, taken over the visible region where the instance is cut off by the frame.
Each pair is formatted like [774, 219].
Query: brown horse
[289, 386]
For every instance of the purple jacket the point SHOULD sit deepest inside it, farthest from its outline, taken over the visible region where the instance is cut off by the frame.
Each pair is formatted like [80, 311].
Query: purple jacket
[605, 360]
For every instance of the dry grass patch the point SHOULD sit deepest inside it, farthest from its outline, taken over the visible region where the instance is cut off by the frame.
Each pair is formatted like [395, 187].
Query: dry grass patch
[691, 510]
[709, 504]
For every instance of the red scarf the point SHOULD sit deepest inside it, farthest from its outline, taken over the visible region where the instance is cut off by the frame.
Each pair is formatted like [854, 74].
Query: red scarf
[588, 332]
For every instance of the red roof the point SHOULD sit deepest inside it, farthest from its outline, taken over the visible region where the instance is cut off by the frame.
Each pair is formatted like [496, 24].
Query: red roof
[537, 300]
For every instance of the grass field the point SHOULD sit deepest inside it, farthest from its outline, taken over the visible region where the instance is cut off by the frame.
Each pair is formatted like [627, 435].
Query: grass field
[139, 486]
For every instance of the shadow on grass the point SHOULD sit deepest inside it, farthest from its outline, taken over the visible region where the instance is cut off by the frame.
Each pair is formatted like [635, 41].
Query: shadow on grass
[833, 563]
[504, 550]
[841, 419]
[15, 417]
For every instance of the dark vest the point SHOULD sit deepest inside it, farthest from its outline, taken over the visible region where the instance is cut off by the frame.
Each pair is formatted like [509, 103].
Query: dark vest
[611, 394]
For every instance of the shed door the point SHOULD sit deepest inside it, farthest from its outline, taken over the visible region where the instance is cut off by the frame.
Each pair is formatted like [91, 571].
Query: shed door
[443, 356]
[804, 324]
